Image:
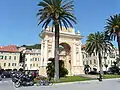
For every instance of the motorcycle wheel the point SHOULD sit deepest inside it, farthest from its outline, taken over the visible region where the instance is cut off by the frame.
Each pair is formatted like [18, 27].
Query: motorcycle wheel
[17, 84]
[41, 83]
[50, 83]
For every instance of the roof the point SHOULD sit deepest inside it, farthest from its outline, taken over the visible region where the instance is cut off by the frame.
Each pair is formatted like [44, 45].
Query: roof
[9, 48]
[83, 46]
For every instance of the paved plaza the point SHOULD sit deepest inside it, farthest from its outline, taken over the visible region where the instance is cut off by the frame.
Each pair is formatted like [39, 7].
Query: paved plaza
[112, 84]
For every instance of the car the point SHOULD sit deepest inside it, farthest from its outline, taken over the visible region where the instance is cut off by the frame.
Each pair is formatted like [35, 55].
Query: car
[93, 73]
[6, 74]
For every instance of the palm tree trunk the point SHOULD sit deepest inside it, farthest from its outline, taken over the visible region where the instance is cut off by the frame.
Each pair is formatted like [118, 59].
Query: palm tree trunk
[56, 77]
[100, 66]
[118, 41]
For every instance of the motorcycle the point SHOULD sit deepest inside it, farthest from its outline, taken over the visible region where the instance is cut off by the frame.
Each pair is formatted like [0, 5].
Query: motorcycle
[23, 80]
[45, 83]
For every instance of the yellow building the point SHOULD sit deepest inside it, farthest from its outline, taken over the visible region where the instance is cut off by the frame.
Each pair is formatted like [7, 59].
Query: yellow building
[9, 57]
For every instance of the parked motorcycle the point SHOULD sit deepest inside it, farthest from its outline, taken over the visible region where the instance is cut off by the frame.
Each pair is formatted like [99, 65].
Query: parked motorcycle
[23, 80]
[45, 83]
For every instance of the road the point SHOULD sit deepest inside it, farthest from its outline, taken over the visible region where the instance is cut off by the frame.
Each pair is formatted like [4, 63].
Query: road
[113, 84]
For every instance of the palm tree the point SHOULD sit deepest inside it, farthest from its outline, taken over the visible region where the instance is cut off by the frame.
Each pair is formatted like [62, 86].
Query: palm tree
[96, 43]
[56, 13]
[112, 29]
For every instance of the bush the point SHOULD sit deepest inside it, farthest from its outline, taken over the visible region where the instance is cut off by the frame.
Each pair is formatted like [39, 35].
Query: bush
[51, 68]
[63, 72]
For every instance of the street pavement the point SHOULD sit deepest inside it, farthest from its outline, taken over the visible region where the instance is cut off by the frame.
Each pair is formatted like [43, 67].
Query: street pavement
[111, 84]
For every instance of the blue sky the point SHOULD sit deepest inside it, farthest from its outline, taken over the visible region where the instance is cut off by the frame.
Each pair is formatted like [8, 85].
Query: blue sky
[18, 21]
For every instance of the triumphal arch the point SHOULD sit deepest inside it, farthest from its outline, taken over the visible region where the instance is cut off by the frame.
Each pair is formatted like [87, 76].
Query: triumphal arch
[70, 50]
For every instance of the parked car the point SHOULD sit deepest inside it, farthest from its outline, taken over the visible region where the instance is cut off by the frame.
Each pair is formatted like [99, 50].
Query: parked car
[6, 74]
[93, 73]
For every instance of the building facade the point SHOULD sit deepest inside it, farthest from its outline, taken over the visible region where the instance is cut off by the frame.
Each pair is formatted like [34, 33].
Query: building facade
[32, 59]
[9, 57]
[93, 60]
[70, 53]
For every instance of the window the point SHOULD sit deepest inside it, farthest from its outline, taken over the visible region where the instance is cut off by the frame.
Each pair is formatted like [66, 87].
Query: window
[15, 64]
[30, 65]
[5, 57]
[35, 59]
[10, 57]
[33, 65]
[94, 61]
[4, 64]
[25, 59]
[37, 65]
[90, 61]
[83, 56]
[8, 64]
[12, 64]
[1, 57]
[14, 57]
[38, 59]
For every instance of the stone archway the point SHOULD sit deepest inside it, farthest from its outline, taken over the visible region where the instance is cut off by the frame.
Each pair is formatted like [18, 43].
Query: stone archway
[70, 50]
[65, 55]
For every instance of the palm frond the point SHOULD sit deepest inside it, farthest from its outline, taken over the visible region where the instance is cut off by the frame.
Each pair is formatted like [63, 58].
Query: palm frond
[97, 43]
[110, 29]
[57, 10]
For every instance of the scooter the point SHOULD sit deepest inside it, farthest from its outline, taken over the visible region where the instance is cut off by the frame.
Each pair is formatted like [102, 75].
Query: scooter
[24, 80]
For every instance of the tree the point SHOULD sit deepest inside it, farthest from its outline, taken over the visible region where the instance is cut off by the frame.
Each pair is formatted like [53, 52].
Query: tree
[35, 46]
[97, 43]
[112, 29]
[56, 13]
[51, 68]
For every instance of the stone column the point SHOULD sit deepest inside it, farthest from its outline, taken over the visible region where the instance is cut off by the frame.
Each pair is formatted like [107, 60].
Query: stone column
[46, 53]
[41, 62]
[74, 54]
[80, 55]
[73, 60]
